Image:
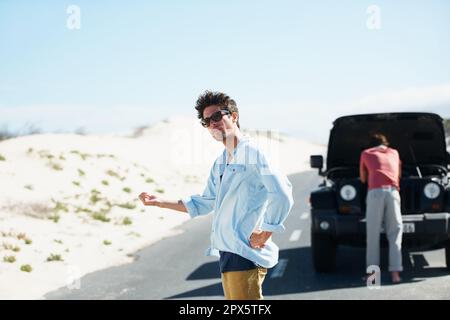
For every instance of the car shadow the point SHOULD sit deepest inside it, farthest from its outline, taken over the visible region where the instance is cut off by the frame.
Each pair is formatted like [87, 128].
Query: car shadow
[300, 277]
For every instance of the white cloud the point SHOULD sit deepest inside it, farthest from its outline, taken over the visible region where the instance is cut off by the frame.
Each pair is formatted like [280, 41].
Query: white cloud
[70, 118]
[313, 120]
[307, 119]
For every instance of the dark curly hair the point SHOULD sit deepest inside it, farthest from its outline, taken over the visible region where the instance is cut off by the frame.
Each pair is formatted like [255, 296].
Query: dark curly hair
[210, 98]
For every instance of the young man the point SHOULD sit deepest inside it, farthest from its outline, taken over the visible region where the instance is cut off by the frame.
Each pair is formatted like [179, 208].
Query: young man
[380, 166]
[249, 201]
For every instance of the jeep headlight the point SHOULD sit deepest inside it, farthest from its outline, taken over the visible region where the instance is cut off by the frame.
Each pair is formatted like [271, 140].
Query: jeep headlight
[431, 190]
[348, 192]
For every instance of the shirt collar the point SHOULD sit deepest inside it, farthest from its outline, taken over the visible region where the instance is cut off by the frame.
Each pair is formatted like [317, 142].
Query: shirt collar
[244, 139]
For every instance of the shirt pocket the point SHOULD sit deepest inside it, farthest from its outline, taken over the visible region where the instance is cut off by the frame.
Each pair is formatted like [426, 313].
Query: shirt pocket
[237, 168]
[237, 172]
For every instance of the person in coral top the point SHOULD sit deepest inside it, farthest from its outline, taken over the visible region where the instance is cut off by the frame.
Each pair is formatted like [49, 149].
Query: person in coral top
[380, 168]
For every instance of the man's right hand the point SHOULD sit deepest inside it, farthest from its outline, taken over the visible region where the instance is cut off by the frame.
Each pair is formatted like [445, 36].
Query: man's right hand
[150, 200]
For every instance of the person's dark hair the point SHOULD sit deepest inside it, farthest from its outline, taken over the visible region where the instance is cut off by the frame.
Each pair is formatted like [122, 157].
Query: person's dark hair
[209, 98]
[378, 139]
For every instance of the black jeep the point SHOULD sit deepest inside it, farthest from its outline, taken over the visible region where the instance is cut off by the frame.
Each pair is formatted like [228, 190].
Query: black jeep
[338, 204]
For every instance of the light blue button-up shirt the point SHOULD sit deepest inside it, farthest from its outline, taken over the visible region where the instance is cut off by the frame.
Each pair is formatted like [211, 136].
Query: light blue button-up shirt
[250, 196]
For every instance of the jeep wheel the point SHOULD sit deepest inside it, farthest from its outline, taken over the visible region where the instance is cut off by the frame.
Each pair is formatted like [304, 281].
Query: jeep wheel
[447, 254]
[324, 252]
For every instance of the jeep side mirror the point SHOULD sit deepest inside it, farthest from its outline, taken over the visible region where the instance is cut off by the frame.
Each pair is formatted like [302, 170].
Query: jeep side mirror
[316, 162]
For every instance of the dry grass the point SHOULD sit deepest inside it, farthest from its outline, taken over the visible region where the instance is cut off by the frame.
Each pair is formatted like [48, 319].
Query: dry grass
[101, 216]
[54, 257]
[9, 259]
[26, 268]
[127, 221]
[127, 205]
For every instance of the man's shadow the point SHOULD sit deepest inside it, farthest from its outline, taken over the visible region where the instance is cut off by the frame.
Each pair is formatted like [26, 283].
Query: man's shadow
[300, 277]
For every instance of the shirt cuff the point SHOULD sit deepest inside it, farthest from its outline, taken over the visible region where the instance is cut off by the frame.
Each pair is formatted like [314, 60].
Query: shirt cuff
[273, 227]
[191, 208]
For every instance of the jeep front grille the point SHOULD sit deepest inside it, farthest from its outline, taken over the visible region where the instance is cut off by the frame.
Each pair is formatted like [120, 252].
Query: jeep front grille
[409, 195]
[413, 200]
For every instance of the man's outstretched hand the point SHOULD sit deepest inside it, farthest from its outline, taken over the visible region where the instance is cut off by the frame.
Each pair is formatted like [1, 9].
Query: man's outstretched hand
[150, 200]
[258, 239]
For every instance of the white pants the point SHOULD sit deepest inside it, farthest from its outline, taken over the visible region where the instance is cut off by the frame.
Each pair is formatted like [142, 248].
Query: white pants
[384, 205]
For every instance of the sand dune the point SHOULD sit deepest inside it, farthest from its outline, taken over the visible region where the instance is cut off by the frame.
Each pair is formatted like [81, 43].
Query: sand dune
[68, 203]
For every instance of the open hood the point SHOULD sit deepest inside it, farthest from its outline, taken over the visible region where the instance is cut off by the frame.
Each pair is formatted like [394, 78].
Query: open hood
[418, 137]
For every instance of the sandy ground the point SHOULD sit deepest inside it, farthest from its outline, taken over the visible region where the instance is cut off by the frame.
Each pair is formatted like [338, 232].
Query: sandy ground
[68, 203]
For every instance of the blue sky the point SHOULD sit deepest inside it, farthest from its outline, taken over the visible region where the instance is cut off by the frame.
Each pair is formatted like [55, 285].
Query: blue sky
[292, 66]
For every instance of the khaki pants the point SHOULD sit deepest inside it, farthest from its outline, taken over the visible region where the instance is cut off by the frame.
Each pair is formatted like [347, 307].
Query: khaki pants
[244, 285]
[384, 205]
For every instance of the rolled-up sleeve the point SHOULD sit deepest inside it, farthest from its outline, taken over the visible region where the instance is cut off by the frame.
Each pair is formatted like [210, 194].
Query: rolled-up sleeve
[203, 204]
[279, 196]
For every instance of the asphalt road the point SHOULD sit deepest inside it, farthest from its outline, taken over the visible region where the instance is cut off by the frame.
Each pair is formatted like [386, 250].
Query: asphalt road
[175, 268]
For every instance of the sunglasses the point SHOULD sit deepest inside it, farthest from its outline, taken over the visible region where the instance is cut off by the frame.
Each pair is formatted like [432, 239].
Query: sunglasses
[216, 117]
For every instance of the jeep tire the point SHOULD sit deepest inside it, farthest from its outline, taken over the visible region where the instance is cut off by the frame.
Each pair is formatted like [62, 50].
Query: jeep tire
[447, 254]
[323, 249]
